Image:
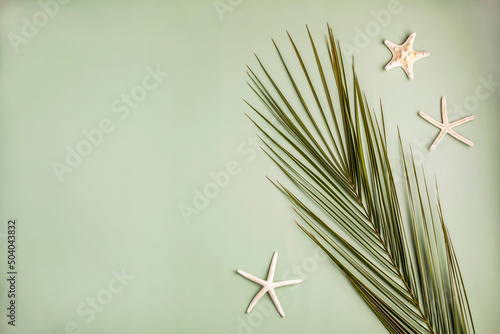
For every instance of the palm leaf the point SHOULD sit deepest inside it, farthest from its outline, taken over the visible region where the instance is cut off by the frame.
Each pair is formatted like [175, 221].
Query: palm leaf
[333, 149]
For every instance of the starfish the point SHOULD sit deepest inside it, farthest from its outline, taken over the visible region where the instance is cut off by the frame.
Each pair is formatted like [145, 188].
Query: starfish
[446, 126]
[403, 55]
[268, 285]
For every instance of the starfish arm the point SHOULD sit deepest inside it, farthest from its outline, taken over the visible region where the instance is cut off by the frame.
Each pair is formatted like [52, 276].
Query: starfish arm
[272, 267]
[461, 121]
[287, 283]
[276, 302]
[408, 69]
[391, 64]
[461, 138]
[419, 55]
[430, 120]
[410, 39]
[257, 297]
[252, 277]
[444, 114]
[390, 44]
[438, 139]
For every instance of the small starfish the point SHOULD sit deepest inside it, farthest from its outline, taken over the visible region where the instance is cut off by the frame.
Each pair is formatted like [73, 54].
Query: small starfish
[403, 55]
[446, 126]
[268, 286]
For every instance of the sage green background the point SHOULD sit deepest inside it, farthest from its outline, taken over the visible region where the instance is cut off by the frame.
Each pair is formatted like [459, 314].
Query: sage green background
[120, 207]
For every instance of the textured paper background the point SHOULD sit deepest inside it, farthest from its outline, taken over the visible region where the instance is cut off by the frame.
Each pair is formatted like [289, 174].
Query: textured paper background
[119, 208]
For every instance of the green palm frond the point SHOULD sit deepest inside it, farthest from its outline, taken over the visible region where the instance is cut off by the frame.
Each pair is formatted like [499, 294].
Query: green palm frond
[333, 148]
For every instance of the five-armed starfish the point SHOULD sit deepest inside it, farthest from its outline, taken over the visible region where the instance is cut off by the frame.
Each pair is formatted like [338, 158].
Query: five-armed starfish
[446, 126]
[403, 55]
[268, 286]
